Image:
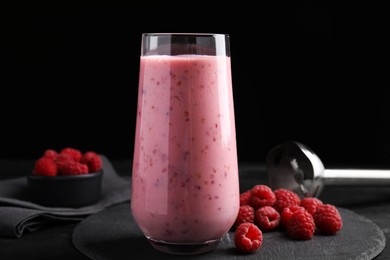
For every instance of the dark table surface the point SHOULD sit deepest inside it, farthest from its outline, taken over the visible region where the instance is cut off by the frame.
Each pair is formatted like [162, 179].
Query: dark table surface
[55, 242]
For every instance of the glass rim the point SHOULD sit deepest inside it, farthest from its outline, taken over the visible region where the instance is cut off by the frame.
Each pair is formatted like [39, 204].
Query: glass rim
[172, 43]
[185, 34]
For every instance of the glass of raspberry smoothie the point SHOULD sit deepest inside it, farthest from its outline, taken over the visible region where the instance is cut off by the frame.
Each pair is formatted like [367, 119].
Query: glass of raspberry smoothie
[185, 186]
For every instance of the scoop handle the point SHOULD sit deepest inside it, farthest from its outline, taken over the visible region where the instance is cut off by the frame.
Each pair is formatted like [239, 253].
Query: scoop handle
[356, 177]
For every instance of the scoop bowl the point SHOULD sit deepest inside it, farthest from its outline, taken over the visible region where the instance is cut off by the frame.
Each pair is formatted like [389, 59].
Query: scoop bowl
[72, 191]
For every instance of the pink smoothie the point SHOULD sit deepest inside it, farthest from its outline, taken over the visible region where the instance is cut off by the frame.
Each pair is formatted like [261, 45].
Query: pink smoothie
[185, 171]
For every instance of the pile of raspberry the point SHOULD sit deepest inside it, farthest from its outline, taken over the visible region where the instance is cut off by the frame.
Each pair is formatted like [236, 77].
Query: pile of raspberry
[68, 161]
[263, 210]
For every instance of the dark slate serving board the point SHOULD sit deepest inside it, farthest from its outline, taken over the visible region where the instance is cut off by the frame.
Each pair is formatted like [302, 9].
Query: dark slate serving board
[113, 234]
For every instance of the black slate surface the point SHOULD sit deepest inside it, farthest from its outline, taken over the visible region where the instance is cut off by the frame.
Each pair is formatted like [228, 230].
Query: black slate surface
[55, 241]
[113, 234]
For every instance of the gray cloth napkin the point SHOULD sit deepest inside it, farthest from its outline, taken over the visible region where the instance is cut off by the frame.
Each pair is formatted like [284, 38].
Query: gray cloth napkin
[18, 213]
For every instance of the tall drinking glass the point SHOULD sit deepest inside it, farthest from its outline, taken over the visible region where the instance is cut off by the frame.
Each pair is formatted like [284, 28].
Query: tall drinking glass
[185, 186]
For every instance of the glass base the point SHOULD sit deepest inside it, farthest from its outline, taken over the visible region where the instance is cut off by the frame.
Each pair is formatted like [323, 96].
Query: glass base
[184, 248]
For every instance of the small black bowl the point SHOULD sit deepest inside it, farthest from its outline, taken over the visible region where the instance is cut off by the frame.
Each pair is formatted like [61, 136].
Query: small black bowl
[71, 191]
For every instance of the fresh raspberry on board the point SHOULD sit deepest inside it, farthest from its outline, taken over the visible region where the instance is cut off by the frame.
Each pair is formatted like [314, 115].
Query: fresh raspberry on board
[73, 168]
[287, 214]
[45, 167]
[248, 237]
[76, 154]
[245, 198]
[245, 214]
[301, 225]
[262, 195]
[328, 219]
[285, 198]
[92, 160]
[267, 218]
[310, 204]
[51, 154]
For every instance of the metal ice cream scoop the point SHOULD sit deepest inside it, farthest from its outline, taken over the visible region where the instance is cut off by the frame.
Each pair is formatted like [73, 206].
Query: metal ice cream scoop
[294, 166]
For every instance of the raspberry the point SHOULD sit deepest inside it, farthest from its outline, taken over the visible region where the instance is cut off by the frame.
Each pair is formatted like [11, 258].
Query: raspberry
[245, 198]
[248, 237]
[62, 160]
[301, 225]
[328, 219]
[73, 168]
[245, 214]
[310, 204]
[75, 153]
[288, 212]
[262, 195]
[267, 218]
[285, 198]
[92, 160]
[45, 167]
[51, 154]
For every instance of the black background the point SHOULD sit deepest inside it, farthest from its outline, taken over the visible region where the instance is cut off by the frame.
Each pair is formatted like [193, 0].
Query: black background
[69, 77]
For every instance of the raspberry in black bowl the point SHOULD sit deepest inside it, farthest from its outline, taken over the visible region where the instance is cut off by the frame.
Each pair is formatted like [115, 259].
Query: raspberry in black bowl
[68, 178]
